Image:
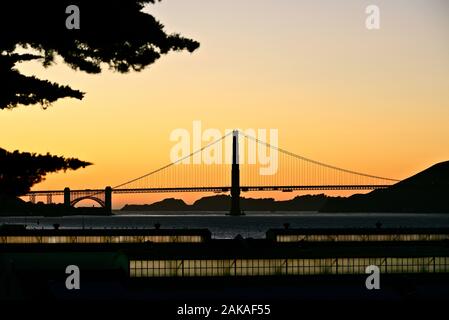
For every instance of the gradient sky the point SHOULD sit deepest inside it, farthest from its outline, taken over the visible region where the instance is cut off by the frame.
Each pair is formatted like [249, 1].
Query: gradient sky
[372, 101]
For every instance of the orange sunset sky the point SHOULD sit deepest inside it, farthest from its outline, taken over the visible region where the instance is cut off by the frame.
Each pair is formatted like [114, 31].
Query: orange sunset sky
[375, 101]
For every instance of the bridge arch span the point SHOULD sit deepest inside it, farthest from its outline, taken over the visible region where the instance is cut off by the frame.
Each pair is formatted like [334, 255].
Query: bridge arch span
[97, 200]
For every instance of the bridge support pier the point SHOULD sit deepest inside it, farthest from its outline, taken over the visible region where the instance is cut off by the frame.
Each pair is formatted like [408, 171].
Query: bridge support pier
[108, 200]
[67, 199]
[235, 177]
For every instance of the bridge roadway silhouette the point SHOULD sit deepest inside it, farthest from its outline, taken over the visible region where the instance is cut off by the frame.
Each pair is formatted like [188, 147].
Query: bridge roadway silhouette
[104, 196]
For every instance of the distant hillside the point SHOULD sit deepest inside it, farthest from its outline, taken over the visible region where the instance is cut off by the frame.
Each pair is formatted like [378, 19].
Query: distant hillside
[222, 203]
[164, 205]
[427, 191]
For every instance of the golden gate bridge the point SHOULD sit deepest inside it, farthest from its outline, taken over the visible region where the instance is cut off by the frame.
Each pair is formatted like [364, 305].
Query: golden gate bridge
[294, 173]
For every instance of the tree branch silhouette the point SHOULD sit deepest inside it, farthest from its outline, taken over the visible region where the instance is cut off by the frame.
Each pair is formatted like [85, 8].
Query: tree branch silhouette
[19, 171]
[116, 33]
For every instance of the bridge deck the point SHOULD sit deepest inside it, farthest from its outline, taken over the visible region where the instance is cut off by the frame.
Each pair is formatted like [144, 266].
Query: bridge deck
[213, 189]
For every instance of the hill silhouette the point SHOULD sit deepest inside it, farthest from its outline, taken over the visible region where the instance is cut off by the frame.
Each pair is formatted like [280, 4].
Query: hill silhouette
[427, 191]
[222, 203]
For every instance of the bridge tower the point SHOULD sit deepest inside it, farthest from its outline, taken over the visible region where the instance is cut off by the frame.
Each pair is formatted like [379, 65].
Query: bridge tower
[67, 199]
[108, 200]
[235, 176]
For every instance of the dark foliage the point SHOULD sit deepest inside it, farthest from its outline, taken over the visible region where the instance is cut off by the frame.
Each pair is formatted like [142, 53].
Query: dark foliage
[19, 171]
[20, 89]
[114, 32]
